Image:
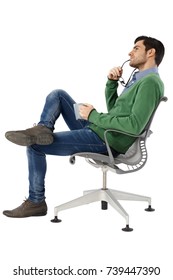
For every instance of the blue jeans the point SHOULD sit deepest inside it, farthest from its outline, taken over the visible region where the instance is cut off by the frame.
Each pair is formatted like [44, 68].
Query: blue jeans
[79, 138]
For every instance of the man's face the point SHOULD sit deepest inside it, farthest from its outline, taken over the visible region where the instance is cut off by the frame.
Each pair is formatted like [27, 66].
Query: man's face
[138, 55]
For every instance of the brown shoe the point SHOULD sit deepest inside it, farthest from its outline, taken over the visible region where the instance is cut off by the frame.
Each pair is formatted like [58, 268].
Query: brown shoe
[27, 209]
[38, 134]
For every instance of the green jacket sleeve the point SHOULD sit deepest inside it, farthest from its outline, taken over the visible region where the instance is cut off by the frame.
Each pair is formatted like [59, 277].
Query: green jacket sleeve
[111, 94]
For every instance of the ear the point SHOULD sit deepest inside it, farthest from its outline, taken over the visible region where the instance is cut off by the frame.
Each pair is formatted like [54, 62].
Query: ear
[151, 52]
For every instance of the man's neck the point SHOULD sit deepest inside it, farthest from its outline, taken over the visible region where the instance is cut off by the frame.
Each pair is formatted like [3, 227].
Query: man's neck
[146, 66]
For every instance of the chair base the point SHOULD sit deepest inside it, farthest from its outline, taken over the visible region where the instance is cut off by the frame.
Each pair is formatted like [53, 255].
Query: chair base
[106, 196]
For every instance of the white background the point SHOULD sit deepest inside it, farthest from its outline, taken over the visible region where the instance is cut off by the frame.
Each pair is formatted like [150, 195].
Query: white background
[66, 44]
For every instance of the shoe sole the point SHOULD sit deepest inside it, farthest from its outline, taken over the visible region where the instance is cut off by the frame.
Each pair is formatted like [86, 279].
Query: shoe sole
[27, 216]
[27, 140]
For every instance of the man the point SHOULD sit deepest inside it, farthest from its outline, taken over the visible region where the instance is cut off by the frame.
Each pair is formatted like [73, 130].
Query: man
[128, 112]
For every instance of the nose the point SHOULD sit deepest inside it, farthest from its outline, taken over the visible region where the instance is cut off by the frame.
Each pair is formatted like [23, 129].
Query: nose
[130, 53]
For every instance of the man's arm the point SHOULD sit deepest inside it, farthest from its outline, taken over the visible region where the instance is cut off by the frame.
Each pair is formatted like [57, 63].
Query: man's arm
[110, 93]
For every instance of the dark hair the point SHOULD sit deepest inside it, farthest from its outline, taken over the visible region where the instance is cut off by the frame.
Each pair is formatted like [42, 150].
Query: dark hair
[150, 43]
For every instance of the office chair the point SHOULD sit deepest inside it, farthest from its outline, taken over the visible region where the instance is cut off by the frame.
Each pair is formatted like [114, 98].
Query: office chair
[133, 160]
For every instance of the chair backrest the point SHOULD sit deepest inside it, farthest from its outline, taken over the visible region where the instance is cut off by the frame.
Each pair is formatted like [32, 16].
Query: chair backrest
[134, 159]
[136, 156]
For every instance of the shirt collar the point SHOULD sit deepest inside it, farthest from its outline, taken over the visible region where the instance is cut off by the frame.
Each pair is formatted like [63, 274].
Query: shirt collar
[141, 74]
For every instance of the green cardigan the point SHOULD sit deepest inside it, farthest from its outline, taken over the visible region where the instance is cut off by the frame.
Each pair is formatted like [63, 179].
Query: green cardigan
[128, 112]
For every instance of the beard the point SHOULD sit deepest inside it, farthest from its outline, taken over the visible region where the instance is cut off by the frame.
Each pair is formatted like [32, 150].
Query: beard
[137, 63]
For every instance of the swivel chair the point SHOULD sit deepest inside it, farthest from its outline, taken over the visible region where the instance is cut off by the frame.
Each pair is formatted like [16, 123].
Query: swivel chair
[132, 161]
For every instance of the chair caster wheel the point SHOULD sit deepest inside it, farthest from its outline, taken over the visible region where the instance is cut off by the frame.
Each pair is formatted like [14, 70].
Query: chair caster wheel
[127, 228]
[149, 209]
[56, 220]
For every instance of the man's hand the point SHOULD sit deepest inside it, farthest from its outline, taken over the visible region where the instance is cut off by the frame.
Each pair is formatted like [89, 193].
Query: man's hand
[84, 110]
[115, 73]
